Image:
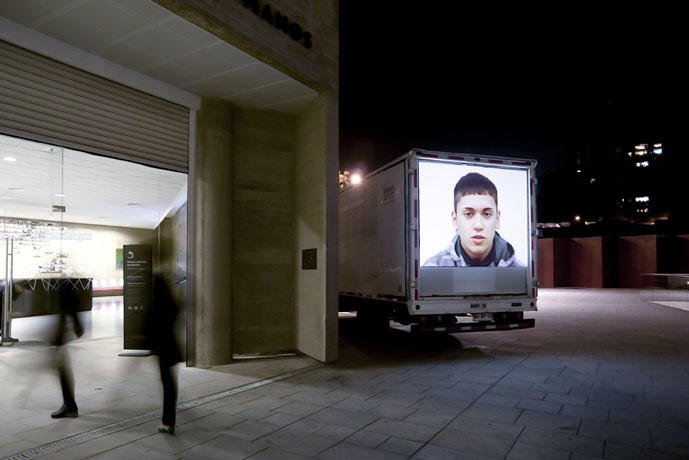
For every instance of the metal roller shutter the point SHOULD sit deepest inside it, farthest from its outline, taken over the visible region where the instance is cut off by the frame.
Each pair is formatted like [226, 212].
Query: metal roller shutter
[45, 100]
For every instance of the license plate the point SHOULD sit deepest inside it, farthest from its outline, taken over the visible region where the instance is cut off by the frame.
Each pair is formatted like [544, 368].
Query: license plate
[483, 316]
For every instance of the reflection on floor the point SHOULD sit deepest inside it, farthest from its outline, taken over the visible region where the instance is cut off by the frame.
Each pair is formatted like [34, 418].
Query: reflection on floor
[673, 304]
[103, 321]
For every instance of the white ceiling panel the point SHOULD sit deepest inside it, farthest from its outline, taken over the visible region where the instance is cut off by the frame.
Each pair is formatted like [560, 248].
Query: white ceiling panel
[131, 56]
[163, 42]
[109, 17]
[26, 11]
[205, 62]
[96, 190]
[189, 31]
[70, 31]
[236, 81]
[143, 36]
[280, 91]
[174, 73]
[149, 10]
[231, 55]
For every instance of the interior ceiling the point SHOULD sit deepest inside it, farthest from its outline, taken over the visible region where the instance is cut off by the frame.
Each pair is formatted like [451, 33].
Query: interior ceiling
[144, 36]
[95, 190]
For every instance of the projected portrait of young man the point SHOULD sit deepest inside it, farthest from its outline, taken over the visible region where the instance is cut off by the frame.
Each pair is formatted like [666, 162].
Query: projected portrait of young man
[476, 218]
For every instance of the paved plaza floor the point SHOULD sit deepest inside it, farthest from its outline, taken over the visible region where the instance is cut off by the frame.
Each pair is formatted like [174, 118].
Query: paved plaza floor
[603, 375]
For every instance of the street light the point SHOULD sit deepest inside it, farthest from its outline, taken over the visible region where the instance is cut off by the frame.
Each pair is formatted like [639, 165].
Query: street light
[349, 179]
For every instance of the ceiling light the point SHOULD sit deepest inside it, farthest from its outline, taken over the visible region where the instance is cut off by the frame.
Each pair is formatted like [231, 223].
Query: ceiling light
[9, 198]
[60, 195]
[10, 159]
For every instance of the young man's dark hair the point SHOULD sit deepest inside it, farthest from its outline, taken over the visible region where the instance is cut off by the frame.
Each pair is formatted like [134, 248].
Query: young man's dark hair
[475, 184]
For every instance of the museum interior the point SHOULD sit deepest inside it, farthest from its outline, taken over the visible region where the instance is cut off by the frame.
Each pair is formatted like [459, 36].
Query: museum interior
[65, 219]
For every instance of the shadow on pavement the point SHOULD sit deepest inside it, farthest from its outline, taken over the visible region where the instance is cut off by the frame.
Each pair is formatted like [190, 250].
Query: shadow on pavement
[363, 346]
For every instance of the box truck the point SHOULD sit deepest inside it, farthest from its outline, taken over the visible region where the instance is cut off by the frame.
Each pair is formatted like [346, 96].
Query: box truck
[443, 242]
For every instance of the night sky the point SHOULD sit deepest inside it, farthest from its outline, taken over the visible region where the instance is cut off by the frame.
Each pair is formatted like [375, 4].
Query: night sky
[520, 83]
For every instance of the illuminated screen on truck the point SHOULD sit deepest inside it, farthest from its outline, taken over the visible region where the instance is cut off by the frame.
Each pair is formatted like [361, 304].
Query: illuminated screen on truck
[472, 216]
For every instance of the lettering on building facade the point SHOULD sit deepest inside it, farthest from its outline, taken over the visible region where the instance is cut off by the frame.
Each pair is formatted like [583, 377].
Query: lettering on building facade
[280, 21]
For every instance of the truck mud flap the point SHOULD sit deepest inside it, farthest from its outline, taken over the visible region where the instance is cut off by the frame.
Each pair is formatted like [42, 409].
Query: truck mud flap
[478, 327]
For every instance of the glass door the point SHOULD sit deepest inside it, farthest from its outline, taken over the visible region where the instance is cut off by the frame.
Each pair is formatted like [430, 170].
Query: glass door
[31, 216]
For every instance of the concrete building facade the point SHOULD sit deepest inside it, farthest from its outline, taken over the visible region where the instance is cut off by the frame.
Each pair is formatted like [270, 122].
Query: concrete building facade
[262, 155]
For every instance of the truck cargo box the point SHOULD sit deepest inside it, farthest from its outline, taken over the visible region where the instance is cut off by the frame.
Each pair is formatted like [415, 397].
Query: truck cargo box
[422, 247]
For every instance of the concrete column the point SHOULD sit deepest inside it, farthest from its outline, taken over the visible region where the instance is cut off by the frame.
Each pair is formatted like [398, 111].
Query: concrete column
[316, 210]
[211, 272]
[263, 232]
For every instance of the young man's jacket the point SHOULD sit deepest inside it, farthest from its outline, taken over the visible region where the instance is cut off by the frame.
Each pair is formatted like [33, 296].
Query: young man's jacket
[501, 255]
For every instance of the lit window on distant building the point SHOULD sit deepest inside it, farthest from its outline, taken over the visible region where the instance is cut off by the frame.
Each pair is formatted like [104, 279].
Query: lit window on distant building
[641, 149]
[642, 164]
[629, 154]
[641, 199]
[657, 145]
[658, 151]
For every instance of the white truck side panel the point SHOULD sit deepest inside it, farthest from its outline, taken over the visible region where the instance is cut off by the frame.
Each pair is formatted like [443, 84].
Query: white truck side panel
[391, 232]
[358, 246]
[372, 236]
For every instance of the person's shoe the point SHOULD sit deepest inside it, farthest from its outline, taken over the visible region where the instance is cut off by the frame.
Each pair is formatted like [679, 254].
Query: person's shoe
[169, 430]
[65, 411]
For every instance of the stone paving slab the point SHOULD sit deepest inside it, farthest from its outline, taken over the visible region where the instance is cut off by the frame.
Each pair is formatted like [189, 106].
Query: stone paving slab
[473, 443]
[525, 451]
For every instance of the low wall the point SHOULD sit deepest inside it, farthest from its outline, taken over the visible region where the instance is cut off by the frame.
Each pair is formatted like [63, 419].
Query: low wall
[609, 262]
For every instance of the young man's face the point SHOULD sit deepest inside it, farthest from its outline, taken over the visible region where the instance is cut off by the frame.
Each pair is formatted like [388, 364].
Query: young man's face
[476, 218]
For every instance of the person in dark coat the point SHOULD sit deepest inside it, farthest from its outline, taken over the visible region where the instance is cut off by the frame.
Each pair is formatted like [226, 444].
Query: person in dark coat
[68, 312]
[161, 336]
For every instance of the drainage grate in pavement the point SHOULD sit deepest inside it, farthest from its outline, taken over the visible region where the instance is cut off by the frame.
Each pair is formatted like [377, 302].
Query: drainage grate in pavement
[55, 446]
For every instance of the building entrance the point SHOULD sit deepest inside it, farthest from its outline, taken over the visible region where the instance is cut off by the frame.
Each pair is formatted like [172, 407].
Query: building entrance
[65, 217]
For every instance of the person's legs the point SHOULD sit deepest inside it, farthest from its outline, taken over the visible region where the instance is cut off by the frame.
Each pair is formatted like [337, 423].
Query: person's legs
[69, 405]
[167, 377]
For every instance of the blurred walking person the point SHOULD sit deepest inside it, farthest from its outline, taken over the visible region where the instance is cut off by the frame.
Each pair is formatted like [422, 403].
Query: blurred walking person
[160, 332]
[68, 311]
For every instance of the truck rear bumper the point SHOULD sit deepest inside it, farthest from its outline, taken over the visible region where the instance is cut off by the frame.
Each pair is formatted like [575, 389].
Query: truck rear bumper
[475, 327]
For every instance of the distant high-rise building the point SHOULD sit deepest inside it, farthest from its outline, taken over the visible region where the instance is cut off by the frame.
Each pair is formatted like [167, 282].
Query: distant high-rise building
[641, 190]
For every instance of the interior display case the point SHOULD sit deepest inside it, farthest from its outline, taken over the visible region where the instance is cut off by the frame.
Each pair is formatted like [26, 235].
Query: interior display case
[41, 296]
